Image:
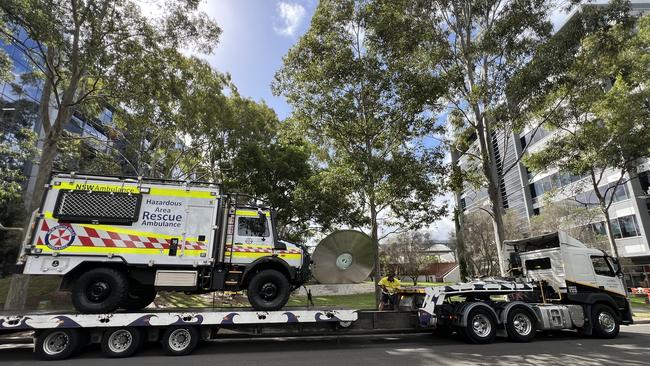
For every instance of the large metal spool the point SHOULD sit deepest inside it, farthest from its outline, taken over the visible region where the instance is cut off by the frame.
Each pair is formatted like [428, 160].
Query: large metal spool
[345, 256]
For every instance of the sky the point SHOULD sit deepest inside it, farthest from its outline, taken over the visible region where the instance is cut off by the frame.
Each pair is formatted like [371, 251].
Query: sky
[258, 33]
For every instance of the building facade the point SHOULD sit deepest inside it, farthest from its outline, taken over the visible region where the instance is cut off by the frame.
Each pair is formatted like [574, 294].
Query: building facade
[522, 192]
[25, 91]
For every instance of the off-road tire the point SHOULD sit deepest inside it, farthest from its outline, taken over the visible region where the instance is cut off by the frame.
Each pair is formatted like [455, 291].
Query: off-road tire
[268, 290]
[139, 298]
[117, 287]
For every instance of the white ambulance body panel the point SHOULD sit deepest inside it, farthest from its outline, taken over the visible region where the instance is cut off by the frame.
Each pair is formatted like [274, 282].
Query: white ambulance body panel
[85, 217]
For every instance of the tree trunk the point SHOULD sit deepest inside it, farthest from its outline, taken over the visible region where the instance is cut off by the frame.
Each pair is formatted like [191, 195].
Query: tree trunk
[488, 166]
[17, 295]
[375, 242]
[610, 234]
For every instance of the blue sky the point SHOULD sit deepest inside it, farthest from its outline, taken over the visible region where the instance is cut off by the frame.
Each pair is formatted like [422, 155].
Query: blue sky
[256, 34]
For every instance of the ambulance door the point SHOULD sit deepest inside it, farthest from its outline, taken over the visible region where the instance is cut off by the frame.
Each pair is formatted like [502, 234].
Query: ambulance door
[199, 235]
[253, 237]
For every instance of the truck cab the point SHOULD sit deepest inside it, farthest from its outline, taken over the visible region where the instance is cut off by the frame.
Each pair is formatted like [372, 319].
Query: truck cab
[116, 241]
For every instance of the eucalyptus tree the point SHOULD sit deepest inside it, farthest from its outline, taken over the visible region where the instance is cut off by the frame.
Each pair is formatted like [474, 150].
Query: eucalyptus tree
[355, 101]
[86, 53]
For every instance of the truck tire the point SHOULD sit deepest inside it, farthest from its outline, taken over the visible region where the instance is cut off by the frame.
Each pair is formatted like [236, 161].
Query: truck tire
[180, 340]
[268, 290]
[121, 342]
[481, 327]
[520, 325]
[100, 290]
[57, 344]
[606, 323]
[139, 298]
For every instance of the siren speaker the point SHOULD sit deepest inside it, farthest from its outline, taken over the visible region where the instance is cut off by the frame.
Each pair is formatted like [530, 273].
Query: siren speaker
[345, 256]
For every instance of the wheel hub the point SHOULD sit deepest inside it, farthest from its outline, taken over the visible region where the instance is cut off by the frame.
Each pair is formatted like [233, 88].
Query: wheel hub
[120, 341]
[522, 324]
[607, 322]
[481, 325]
[56, 343]
[269, 291]
[179, 339]
[98, 291]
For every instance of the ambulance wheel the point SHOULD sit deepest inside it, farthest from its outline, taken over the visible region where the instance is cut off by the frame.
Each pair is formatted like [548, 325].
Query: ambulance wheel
[57, 344]
[121, 342]
[100, 290]
[605, 321]
[139, 298]
[180, 340]
[481, 327]
[268, 290]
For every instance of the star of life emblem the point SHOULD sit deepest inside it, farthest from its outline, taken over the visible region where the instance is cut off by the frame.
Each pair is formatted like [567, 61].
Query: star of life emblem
[59, 237]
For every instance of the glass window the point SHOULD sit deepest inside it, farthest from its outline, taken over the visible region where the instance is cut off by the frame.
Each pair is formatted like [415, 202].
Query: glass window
[616, 229]
[250, 226]
[621, 193]
[538, 263]
[601, 267]
[628, 226]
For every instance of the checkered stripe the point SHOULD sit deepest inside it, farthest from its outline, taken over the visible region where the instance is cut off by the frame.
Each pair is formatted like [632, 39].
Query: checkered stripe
[90, 237]
[245, 249]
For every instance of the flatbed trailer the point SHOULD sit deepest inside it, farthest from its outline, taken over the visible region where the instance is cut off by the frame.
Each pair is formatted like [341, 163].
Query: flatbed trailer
[557, 284]
[59, 335]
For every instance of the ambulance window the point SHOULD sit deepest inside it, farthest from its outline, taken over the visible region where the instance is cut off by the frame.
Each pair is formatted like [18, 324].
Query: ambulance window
[249, 226]
[601, 267]
[538, 263]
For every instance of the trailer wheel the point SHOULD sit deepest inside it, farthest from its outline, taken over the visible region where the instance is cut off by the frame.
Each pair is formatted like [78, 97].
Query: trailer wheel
[57, 344]
[481, 326]
[606, 323]
[139, 298]
[268, 290]
[520, 325]
[180, 340]
[99, 290]
[121, 342]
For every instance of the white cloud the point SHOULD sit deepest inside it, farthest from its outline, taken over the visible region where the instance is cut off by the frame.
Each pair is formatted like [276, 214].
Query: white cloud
[291, 15]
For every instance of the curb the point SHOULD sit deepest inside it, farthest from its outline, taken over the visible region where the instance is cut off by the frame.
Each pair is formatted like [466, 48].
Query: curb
[642, 321]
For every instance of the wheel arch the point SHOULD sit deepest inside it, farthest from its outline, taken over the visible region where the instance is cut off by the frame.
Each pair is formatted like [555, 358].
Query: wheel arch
[467, 308]
[503, 318]
[264, 264]
[69, 278]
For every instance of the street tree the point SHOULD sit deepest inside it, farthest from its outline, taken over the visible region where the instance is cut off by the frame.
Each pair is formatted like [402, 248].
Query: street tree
[406, 254]
[84, 52]
[478, 47]
[602, 127]
[354, 103]
[482, 257]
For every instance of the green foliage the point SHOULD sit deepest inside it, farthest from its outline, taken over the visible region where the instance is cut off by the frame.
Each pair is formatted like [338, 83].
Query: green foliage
[604, 120]
[355, 99]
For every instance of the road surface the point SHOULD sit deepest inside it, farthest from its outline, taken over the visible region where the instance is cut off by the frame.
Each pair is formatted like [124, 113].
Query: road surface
[631, 348]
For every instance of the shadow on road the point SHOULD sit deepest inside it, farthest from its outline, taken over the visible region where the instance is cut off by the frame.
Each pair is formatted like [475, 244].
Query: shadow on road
[562, 348]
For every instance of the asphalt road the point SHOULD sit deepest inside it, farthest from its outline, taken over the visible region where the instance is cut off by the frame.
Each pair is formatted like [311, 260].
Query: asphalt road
[631, 348]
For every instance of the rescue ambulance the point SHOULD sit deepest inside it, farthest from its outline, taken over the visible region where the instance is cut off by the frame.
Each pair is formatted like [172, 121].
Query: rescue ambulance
[116, 241]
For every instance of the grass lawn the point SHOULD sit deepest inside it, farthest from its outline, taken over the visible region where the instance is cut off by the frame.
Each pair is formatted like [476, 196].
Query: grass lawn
[42, 293]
